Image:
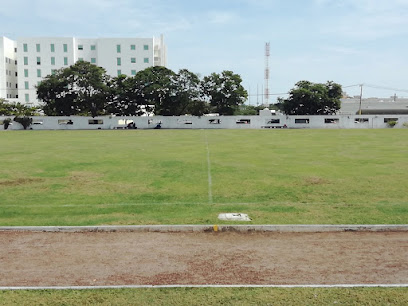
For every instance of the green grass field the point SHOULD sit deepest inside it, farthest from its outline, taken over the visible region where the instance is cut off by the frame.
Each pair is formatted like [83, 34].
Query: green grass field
[210, 296]
[162, 176]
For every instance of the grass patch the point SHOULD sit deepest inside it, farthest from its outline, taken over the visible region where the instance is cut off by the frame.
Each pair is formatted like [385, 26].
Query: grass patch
[210, 296]
[157, 177]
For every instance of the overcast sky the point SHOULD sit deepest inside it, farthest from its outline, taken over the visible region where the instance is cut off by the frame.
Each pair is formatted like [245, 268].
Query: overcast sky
[346, 41]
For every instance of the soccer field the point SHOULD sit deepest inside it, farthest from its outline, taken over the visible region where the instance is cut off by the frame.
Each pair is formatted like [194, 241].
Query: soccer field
[189, 177]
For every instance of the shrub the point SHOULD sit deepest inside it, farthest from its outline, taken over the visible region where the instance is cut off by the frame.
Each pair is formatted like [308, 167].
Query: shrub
[24, 121]
[6, 123]
[391, 123]
[405, 124]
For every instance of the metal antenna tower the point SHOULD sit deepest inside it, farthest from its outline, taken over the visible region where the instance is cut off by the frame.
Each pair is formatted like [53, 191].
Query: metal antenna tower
[267, 55]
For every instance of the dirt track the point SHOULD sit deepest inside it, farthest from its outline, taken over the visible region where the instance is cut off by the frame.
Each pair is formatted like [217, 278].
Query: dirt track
[83, 259]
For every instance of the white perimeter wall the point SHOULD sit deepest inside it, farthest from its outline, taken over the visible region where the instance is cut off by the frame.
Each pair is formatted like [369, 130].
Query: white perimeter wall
[225, 122]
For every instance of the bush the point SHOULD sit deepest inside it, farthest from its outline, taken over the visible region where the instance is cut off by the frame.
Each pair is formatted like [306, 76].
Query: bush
[405, 124]
[24, 121]
[6, 123]
[391, 123]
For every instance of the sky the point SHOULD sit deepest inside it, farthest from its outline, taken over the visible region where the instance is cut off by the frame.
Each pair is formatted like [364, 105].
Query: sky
[350, 42]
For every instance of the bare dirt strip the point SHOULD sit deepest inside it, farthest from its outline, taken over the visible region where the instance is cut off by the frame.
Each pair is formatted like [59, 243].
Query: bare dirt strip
[122, 258]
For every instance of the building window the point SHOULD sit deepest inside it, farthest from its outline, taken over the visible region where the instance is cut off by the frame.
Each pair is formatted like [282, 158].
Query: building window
[26, 73]
[331, 120]
[65, 48]
[53, 71]
[15, 50]
[38, 60]
[26, 85]
[25, 48]
[386, 120]
[38, 83]
[133, 72]
[118, 48]
[133, 60]
[80, 59]
[25, 60]
[119, 72]
[146, 47]
[118, 61]
[93, 60]
[132, 47]
[15, 62]
[93, 47]
[52, 48]
[38, 47]
[27, 97]
[146, 60]
[39, 73]
[65, 61]
[52, 60]
[80, 47]
[273, 121]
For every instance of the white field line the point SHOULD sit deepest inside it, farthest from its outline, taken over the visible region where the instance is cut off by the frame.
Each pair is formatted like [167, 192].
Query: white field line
[152, 203]
[204, 286]
[210, 197]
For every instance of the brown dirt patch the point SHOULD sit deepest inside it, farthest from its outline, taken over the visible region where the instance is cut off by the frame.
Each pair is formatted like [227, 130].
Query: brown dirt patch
[83, 259]
[20, 181]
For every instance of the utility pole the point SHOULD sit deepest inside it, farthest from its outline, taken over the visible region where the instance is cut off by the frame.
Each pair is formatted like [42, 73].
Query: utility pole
[267, 55]
[361, 97]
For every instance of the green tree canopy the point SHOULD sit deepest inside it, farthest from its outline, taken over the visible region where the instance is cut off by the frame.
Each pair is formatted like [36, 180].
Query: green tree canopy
[85, 89]
[224, 92]
[309, 98]
[79, 89]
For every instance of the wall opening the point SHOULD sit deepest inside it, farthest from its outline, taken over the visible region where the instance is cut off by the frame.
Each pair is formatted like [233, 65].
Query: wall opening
[65, 121]
[331, 120]
[95, 121]
[361, 120]
[214, 121]
[243, 121]
[302, 121]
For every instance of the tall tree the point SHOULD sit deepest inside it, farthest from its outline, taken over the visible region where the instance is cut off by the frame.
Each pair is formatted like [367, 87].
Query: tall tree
[308, 98]
[189, 96]
[79, 89]
[224, 92]
[158, 89]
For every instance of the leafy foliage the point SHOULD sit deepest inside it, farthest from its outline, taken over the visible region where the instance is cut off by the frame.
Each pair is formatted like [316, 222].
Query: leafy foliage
[85, 89]
[24, 121]
[224, 92]
[79, 89]
[6, 123]
[309, 98]
[16, 109]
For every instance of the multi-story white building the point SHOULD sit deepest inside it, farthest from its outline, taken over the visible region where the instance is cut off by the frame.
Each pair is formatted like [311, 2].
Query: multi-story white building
[28, 60]
[8, 69]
